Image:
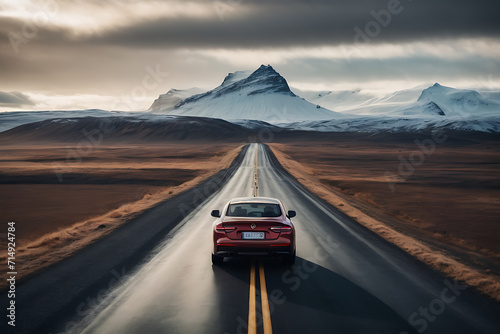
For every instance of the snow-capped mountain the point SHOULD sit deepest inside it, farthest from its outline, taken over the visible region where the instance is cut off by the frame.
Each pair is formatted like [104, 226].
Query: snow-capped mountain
[420, 101]
[260, 95]
[438, 100]
[417, 109]
[169, 100]
[459, 102]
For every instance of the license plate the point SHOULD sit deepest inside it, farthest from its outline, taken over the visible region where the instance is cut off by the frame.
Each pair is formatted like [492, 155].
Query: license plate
[252, 235]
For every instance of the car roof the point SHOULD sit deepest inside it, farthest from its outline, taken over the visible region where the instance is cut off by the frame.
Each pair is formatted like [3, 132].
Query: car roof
[254, 200]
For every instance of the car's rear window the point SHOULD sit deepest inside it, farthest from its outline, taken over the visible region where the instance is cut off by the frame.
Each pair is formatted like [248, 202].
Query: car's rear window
[253, 210]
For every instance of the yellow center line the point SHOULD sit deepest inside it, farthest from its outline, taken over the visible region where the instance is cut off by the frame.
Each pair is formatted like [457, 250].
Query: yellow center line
[252, 313]
[266, 314]
[252, 318]
[255, 177]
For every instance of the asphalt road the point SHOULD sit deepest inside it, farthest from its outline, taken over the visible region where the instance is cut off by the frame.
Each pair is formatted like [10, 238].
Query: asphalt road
[345, 280]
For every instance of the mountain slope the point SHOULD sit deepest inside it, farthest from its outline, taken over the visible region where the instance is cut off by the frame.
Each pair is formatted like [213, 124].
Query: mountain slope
[356, 102]
[261, 95]
[11, 119]
[339, 100]
[421, 109]
[169, 100]
[94, 130]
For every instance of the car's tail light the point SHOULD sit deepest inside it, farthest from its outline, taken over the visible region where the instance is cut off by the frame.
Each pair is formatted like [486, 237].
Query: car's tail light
[221, 228]
[281, 229]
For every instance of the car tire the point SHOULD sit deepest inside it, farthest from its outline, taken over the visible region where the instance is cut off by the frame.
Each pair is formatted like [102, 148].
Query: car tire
[217, 259]
[289, 259]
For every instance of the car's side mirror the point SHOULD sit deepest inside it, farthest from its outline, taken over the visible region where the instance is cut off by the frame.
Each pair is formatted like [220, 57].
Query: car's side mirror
[291, 214]
[215, 213]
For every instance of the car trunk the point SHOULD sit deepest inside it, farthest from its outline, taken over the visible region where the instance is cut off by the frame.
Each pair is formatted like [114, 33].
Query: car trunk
[242, 227]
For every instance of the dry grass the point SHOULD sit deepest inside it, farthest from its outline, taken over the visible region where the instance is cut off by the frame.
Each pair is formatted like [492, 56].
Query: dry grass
[64, 240]
[358, 205]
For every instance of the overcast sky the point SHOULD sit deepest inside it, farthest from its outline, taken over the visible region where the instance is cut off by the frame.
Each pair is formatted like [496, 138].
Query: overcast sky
[111, 54]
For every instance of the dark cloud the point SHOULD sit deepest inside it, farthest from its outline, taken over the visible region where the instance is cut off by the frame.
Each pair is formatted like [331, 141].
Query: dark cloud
[14, 99]
[303, 23]
[114, 61]
[279, 23]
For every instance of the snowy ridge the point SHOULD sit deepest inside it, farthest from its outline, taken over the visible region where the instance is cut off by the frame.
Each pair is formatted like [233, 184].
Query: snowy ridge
[9, 120]
[393, 124]
[234, 77]
[169, 100]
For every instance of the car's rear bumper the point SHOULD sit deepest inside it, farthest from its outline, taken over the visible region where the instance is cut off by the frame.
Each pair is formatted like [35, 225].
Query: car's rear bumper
[233, 248]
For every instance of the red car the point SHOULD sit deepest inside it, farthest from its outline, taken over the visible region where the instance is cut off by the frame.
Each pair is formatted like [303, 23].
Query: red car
[253, 226]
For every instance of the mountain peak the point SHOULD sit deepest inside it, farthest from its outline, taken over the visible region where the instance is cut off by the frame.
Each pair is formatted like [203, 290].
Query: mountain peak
[266, 70]
[436, 89]
[266, 80]
[457, 102]
[172, 91]
[262, 71]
